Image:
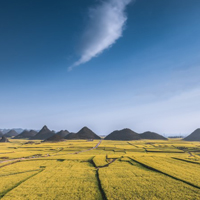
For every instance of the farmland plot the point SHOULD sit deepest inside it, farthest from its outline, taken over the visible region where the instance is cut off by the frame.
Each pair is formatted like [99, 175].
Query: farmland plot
[59, 180]
[123, 180]
[188, 172]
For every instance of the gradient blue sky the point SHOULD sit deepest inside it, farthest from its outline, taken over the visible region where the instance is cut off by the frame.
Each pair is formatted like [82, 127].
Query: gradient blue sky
[147, 80]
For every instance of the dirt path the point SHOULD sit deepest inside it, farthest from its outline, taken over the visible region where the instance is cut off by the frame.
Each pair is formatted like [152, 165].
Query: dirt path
[185, 150]
[191, 155]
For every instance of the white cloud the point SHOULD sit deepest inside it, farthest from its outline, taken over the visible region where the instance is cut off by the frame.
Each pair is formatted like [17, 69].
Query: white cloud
[106, 24]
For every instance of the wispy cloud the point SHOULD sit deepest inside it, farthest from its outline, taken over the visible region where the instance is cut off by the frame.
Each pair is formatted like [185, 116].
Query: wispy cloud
[105, 26]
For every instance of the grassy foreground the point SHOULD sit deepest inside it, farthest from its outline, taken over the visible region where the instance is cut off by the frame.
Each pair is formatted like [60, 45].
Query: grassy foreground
[146, 169]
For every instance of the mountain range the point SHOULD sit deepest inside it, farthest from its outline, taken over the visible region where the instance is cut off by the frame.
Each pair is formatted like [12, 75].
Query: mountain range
[85, 133]
[26, 134]
[1, 134]
[18, 130]
[127, 134]
[11, 133]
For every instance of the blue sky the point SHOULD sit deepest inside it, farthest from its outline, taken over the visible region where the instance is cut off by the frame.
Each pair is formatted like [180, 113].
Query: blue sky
[102, 64]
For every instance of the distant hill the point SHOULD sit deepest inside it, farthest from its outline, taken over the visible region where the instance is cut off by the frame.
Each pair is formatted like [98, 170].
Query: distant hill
[152, 136]
[124, 134]
[194, 136]
[11, 133]
[71, 136]
[54, 138]
[26, 134]
[63, 133]
[43, 134]
[18, 130]
[4, 139]
[85, 133]
[1, 134]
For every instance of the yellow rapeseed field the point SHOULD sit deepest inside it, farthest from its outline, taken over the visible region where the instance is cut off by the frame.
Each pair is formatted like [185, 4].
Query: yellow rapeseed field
[116, 170]
[123, 180]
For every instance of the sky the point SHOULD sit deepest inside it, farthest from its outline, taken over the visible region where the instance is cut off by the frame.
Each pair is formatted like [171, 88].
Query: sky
[105, 64]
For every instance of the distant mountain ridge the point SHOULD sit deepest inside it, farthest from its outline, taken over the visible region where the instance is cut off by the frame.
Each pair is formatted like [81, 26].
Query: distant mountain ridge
[26, 134]
[85, 133]
[18, 130]
[11, 133]
[152, 136]
[194, 136]
[124, 134]
[43, 134]
[62, 133]
[59, 136]
[127, 134]
[54, 138]
[1, 134]
[70, 136]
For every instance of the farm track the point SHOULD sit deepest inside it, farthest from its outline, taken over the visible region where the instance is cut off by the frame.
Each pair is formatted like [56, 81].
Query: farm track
[88, 149]
[18, 160]
[159, 171]
[185, 151]
[19, 183]
[191, 155]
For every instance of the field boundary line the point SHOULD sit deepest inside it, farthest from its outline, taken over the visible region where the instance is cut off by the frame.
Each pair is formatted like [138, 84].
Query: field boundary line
[7, 152]
[19, 183]
[159, 171]
[103, 194]
[19, 173]
[186, 160]
[10, 163]
[106, 165]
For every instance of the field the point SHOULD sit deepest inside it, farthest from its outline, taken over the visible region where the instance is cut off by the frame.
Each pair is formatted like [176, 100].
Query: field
[145, 169]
